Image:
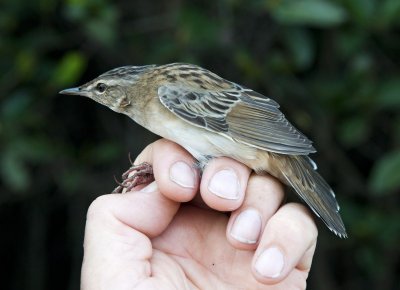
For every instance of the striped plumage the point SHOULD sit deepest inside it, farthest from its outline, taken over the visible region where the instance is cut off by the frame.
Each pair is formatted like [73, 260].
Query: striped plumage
[211, 117]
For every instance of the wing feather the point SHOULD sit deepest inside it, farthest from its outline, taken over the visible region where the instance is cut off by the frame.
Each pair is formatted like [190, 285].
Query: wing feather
[312, 188]
[238, 113]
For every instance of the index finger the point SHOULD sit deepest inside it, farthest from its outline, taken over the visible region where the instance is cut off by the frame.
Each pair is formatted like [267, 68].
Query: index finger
[174, 169]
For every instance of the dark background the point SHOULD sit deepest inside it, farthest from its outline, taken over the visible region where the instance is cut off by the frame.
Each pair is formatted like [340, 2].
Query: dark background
[334, 66]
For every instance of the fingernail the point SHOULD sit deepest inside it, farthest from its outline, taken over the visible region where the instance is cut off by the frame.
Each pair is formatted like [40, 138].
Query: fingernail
[247, 227]
[150, 187]
[225, 184]
[182, 174]
[270, 263]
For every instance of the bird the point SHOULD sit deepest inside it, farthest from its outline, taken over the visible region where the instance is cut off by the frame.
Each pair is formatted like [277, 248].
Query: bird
[211, 117]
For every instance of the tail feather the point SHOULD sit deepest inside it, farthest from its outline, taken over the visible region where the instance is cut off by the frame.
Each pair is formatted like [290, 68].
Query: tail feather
[312, 188]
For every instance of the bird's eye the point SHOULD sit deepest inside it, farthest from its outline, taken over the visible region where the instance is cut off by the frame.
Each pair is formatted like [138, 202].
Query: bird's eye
[101, 87]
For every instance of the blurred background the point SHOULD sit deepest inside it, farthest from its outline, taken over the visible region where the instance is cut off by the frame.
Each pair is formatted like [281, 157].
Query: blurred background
[334, 67]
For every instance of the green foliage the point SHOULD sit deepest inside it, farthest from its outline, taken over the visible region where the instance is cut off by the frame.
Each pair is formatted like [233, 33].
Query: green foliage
[385, 176]
[388, 95]
[319, 13]
[354, 131]
[197, 30]
[69, 69]
[97, 18]
[301, 47]
[333, 65]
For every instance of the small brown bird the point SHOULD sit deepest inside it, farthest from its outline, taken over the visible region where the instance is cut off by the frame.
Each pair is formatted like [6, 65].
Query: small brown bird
[210, 117]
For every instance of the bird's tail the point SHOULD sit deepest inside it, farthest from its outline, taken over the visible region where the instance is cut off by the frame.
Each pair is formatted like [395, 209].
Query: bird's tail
[300, 172]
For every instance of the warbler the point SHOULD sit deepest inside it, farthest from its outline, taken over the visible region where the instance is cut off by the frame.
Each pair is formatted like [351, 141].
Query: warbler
[212, 117]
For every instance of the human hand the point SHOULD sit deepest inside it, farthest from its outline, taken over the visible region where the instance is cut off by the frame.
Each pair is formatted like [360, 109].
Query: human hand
[150, 239]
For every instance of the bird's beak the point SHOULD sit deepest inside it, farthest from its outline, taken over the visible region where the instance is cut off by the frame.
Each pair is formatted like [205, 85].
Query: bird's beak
[73, 91]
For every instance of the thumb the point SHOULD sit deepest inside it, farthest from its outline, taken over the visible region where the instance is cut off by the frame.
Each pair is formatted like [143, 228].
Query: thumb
[117, 246]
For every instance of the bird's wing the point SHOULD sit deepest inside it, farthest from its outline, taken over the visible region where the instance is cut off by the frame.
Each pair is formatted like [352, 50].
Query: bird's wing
[313, 189]
[238, 113]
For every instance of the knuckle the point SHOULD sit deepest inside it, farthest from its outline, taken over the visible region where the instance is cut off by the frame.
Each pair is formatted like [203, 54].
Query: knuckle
[265, 192]
[99, 207]
[163, 144]
[297, 220]
[265, 184]
[174, 150]
[145, 154]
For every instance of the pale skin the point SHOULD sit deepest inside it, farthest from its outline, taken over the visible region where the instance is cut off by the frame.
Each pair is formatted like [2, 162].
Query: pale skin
[152, 238]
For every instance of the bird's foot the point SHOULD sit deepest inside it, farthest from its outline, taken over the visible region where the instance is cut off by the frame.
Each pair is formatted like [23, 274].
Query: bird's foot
[142, 173]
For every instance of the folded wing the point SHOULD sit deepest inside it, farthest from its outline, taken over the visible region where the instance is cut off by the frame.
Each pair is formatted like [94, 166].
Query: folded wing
[238, 113]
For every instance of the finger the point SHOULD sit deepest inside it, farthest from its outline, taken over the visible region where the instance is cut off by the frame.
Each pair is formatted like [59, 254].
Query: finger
[264, 195]
[223, 184]
[116, 246]
[173, 168]
[286, 246]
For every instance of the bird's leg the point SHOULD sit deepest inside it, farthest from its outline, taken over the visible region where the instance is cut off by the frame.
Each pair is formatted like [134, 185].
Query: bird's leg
[143, 173]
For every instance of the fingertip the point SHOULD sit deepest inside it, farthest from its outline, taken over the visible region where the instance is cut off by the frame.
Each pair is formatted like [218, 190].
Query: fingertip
[287, 244]
[269, 265]
[244, 229]
[263, 197]
[223, 184]
[183, 174]
[174, 171]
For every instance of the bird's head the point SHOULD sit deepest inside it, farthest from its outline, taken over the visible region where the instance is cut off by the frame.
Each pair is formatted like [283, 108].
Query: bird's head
[113, 88]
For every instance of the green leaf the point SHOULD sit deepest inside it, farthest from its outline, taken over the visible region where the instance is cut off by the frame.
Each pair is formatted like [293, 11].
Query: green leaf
[197, 29]
[25, 62]
[389, 93]
[361, 63]
[245, 61]
[69, 69]
[350, 42]
[354, 131]
[385, 176]
[320, 13]
[389, 12]
[14, 172]
[75, 10]
[301, 46]
[16, 105]
[103, 27]
[37, 149]
[278, 62]
[363, 12]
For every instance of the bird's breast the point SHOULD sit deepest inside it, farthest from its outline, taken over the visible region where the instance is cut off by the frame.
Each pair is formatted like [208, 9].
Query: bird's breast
[198, 141]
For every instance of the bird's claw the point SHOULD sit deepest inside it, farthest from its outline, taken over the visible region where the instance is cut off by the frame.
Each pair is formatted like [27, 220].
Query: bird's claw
[143, 173]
